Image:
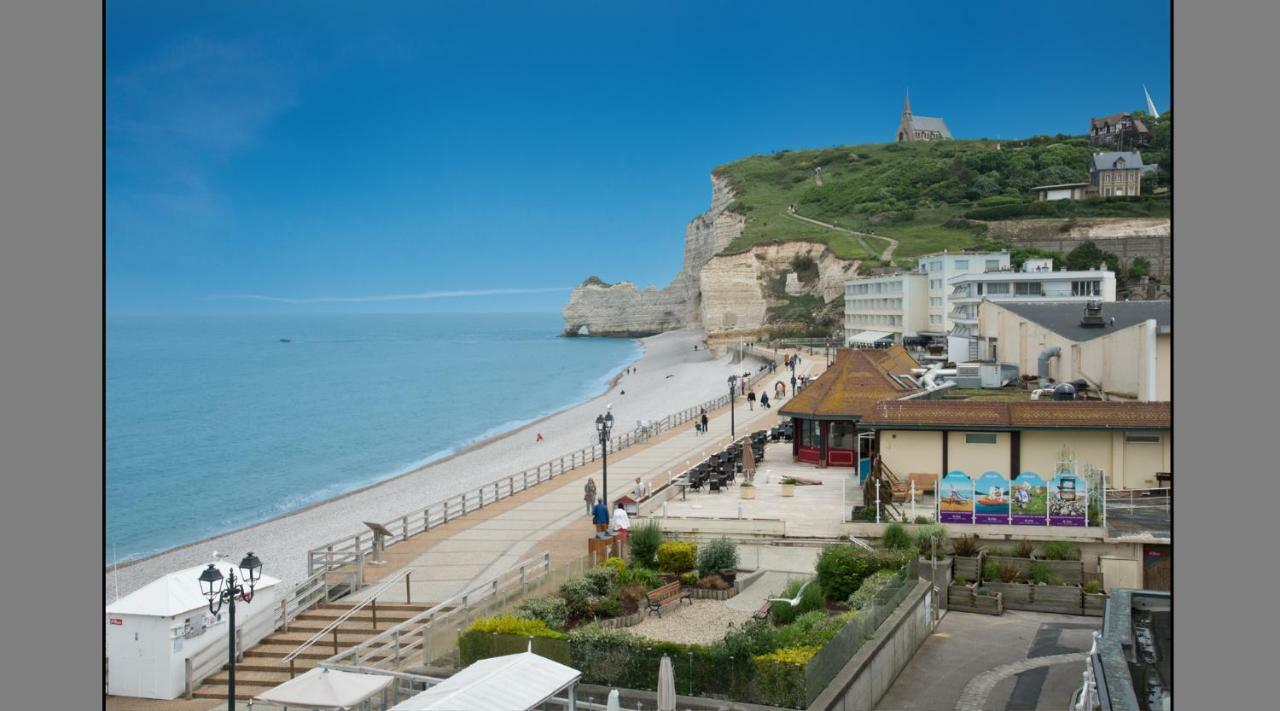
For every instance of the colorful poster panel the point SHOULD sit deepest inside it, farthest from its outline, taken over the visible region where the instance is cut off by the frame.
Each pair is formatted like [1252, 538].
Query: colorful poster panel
[991, 499]
[1068, 503]
[956, 502]
[1029, 500]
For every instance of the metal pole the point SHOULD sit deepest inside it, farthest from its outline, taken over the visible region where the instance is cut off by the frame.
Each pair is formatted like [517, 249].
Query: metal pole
[731, 425]
[231, 648]
[604, 465]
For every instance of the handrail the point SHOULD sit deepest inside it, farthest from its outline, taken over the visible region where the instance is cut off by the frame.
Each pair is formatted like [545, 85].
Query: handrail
[337, 621]
[350, 550]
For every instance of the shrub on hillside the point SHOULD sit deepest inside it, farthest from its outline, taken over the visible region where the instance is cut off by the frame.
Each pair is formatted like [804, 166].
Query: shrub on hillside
[719, 554]
[677, 556]
[551, 611]
[644, 541]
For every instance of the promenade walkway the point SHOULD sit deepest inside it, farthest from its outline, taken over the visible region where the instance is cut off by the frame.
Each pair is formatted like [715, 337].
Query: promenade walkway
[553, 516]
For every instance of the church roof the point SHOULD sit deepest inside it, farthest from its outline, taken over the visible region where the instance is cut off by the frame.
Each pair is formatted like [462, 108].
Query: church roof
[930, 123]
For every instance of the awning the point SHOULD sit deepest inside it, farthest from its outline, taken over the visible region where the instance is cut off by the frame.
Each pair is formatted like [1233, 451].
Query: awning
[327, 689]
[869, 336]
[515, 682]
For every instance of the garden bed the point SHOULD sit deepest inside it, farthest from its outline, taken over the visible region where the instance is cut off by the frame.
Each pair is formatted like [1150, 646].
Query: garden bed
[707, 594]
[1060, 599]
[970, 567]
[1095, 604]
[1068, 571]
[962, 598]
[631, 620]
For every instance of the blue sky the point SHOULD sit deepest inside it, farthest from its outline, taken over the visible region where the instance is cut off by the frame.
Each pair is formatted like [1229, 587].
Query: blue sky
[489, 156]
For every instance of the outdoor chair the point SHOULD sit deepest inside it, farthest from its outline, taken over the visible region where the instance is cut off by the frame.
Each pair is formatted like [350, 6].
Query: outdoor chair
[713, 487]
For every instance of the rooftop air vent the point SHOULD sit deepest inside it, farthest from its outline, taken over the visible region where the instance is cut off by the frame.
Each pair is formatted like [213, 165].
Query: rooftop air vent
[1093, 315]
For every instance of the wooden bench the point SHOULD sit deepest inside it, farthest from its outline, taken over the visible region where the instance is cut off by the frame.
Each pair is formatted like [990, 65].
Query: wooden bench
[763, 612]
[925, 482]
[668, 594]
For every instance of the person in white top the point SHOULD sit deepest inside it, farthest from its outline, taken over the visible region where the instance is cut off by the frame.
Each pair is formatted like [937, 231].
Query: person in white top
[637, 491]
[621, 523]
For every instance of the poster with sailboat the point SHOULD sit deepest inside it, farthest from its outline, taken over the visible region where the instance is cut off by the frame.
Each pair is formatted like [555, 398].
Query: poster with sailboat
[991, 499]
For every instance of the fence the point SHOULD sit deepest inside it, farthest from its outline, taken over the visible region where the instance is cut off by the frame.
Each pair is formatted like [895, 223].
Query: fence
[1139, 510]
[351, 550]
[315, 589]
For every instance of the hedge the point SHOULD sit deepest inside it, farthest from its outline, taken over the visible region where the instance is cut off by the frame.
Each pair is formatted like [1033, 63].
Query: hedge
[677, 556]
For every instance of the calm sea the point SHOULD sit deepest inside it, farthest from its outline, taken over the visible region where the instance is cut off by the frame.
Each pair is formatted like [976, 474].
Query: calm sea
[215, 422]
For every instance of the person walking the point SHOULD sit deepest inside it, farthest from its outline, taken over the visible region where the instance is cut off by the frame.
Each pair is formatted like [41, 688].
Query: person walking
[704, 422]
[589, 494]
[751, 400]
[764, 400]
[600, 515]
[637, 491]
[793, 382]
[621, 523]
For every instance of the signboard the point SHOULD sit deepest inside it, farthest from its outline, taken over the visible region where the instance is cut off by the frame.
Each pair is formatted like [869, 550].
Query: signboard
[1028, 504]
[1068, 500]
[116, 620]
[991, 499]
[955, 502]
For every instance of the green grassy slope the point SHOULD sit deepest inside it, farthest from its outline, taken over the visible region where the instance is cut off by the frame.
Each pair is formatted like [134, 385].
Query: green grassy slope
[917, 192]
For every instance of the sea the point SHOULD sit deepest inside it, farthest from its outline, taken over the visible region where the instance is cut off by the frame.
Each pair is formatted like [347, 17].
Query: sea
[218, 422]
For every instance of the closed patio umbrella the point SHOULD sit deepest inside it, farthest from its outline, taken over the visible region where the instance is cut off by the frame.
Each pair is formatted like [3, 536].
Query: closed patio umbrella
[614, 703]
[666, 685]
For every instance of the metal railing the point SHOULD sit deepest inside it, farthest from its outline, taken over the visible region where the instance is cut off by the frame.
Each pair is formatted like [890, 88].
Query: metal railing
[351, 550]
[332, 627]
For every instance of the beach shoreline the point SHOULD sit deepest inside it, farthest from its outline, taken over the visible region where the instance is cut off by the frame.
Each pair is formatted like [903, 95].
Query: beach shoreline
[668, 376]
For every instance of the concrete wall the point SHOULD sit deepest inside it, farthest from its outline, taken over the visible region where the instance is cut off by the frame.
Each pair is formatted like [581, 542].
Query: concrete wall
[1128, 465]
[867, 676]
[976, 459]
[907, 451]
[1164, 367]
[716, 527]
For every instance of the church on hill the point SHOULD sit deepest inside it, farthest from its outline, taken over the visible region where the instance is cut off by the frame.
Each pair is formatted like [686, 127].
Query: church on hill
[921, 128]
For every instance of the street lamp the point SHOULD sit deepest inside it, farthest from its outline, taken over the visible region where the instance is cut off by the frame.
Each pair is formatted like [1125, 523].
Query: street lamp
[733, 380]
[604, 423]
[212, 585]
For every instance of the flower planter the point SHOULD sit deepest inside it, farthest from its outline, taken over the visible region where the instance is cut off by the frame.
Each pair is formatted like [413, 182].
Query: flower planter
[634, 618]
[705, 594]
[969, 567]
[1064, 599]
[1070, 572]
[1095, 604]
[788, 489]
[1014, 596]
[747, 492]
[962, 598]
[728, 575]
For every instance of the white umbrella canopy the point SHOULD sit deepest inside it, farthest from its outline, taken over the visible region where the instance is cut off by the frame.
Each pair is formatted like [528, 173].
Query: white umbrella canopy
[614, 703]
[666, 685]
[327, 689]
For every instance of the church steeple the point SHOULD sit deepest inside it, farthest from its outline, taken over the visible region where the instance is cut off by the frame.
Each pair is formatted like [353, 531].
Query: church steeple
[906, 107]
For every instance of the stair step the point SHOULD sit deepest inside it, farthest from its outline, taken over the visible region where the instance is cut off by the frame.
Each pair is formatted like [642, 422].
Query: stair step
[401, 606]
[244, 692]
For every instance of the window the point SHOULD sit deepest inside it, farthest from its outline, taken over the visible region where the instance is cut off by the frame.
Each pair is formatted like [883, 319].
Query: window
[810, 436]
[997, 288]
[935, 301]
[962, 264]
[842, 435]
[979, 288]
[993, 264]
[1027, 288]
[980, 438]
[1086, 288]
[935, 283]
[1141, 438]
[937, 267]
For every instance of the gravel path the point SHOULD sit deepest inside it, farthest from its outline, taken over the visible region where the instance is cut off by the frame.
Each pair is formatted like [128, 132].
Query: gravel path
[703, 622]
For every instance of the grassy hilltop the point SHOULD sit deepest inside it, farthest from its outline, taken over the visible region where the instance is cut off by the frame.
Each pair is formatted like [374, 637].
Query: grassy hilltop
[924, 194]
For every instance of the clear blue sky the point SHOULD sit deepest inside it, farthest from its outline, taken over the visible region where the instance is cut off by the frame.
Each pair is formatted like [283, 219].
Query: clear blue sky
[321, 151]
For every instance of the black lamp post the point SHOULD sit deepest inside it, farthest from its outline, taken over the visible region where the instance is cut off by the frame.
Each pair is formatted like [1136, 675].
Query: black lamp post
[212, 585]
[604, 423]
[733, 381]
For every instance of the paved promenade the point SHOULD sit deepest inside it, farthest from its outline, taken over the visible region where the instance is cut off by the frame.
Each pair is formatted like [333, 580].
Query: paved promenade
[553, 515]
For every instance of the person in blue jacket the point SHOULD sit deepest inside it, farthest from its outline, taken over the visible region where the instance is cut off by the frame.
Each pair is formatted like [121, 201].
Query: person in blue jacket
[600, 515]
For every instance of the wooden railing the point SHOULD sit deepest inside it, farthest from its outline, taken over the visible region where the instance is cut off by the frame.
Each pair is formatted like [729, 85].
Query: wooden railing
[350, 551]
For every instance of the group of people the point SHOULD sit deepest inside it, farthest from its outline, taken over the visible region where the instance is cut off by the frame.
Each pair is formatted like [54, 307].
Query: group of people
[751, 400]
[700, 424]
[599, 512]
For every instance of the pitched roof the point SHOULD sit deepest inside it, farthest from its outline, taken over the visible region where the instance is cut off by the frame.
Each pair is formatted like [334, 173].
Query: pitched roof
[176, 593]
[1106, 160]
[1063, 317]
[930, 123]
[514, 681]
[1117, 118]
[853, 385]
[1039, 414]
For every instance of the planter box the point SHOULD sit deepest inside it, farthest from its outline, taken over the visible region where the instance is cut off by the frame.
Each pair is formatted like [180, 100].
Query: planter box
[788, 489]
[962, 598]
[704, 594]
[1014, 596]
[1095, 604]
[969, 567]
[1070, 572]
[634, 618]
[747, 492]
[1064, 599]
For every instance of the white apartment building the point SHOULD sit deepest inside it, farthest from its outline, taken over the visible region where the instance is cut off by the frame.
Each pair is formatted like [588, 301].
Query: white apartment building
[895, 305]
[941, 268]
[1036, 282]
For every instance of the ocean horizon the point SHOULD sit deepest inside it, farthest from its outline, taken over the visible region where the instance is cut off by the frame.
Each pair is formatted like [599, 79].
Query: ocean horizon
[218, 422]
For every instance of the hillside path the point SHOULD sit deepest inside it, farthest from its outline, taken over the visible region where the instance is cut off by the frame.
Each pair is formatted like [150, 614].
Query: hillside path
[860, 236]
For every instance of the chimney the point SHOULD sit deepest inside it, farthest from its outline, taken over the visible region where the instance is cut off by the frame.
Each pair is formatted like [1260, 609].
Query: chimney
[1093, 315]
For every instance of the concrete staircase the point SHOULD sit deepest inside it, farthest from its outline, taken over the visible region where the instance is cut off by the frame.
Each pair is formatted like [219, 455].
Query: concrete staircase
[261, 667]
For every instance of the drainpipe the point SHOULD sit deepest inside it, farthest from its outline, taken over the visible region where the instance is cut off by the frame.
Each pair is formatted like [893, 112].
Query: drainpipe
[1045, 355]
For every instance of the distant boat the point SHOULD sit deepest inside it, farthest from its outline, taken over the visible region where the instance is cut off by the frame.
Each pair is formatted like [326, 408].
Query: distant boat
[285, 340]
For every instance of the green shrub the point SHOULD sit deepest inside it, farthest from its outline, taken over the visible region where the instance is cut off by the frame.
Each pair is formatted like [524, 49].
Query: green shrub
[867, 514]
[644, 541]
[1060, 550]
[931, 538]
[617, 564]
[812, 629]
[958, 580]
[751, 638]
[965, 546]
[719, 554]
[780, 676]
[1008, 572]
[640, 576]
[603, 579]
[789, 481]
[552, 611]
[783, 613]
[871, 587]
[1093, 586]
[609, 606]
[1040, 573]
[689, 578]
[677, 556]
[1024, 549]
[896, 538]
[511, 624]
[577, 594]
[921, 520]
[841, 569]
[990, 571]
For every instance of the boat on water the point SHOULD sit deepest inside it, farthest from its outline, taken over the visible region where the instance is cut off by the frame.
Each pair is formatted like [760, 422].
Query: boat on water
[285, 340]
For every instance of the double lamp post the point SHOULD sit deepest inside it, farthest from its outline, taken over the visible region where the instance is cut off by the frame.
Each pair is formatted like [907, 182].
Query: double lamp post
[604, 425]
[219, 590]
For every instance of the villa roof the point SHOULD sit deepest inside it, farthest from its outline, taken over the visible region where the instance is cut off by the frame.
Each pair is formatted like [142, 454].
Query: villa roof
[853, 385]
[1039, 414]
[1106, 160]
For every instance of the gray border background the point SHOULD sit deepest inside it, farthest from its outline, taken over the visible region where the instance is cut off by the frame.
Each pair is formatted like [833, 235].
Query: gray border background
[1225, 305]
[51, 626]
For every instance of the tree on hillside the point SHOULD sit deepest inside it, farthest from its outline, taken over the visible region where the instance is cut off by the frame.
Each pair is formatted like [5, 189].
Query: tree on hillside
[1089, 256]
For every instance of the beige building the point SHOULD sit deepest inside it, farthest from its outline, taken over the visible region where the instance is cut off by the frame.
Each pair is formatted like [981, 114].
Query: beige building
[1116, 174]
[1129, 441]
[1124, 349]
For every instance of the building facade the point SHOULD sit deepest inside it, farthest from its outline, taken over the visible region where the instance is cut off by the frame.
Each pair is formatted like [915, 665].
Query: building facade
[920, 128]
[941, 268]
[1036, 282]
[1115, 174]
[1121, 131]
[896, 304]
[1064, 191]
